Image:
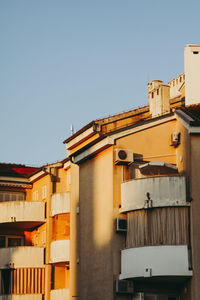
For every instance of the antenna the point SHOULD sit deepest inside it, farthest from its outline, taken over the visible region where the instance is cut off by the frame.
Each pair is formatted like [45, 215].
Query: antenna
[72, 129]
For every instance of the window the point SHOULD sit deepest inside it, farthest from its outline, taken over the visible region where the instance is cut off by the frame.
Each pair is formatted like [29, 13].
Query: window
[2, 242]
[44, 191]
[35, 196]
[11, 241]
[14, 241]
[12, 196]
[44, 237]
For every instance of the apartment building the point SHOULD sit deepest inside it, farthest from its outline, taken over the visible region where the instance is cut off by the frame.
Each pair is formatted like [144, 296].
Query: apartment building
[51, 184]
[22, 269]
[34, 232]
[119, 217]
[136, 215]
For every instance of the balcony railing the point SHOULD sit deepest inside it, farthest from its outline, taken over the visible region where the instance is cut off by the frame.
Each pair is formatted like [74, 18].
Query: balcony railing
[60, 251]
[155, 191]
[155, 261]
[21, 257]
[22, 211]
[21, 297]
[60, 203]
[59, 294]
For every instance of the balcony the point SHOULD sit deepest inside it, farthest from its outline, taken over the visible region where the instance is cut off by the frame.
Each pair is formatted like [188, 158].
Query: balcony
[21, 297]
[22, 211]
[60, 203]
[161, 191]
[21, 257]
[60, 251]
[155, 261]
[59, 294]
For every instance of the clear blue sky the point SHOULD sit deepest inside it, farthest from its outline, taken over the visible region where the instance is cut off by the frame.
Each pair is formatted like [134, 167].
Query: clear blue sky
[68, 62]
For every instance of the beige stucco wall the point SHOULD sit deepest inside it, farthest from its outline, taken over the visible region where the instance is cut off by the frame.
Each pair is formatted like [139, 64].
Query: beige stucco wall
[74, 238]
[195, 213]
[37, 186]
[96, 227]
[153, 143]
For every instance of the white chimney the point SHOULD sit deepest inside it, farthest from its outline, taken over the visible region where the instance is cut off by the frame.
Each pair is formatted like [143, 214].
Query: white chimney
[192, 74]
[158, 98]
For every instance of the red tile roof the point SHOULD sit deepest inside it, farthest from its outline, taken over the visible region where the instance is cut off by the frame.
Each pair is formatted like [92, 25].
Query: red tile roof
[16, 170]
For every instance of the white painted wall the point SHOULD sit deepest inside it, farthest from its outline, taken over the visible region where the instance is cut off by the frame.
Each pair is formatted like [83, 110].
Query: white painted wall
[192, 74]
[59, 294]
[60, 203]
[164, 191]
[60, 251]
[22, 211]
[162, 260]
[22, 257]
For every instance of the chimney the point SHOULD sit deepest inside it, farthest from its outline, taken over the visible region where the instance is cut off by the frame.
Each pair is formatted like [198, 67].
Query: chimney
[158, 98]
[192, 74]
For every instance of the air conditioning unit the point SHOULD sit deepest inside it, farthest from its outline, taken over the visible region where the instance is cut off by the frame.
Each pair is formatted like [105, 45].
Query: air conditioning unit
[121, 225]
[123, 157]
[124, 287]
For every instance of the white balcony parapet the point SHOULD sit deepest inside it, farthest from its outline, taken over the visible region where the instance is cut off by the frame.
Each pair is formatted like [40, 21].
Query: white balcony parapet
[22, 211]
[155, 261]
[22, 297]
[162, 191]
[21, 257]
[60, 203]
[59, 294]
[60, 251]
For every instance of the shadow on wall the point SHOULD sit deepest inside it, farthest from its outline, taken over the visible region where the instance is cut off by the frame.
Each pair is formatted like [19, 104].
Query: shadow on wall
[96, 228]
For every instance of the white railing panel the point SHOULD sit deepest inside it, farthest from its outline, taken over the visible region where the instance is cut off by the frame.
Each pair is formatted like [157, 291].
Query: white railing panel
[163, 191]
[60, 203]
[21, 297]
[60, 251]
[22, 211]
[157, 260]
[59, 294]
[21, 257]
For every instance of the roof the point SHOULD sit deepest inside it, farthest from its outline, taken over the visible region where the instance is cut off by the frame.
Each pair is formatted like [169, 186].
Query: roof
[193, 111]
[16, 170]
[109, 119]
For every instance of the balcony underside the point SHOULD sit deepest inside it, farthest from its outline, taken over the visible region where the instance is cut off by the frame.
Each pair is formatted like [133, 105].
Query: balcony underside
[21, 226]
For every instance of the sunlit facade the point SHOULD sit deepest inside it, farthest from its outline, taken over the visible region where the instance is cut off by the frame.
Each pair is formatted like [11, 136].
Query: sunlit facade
[118, 219]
